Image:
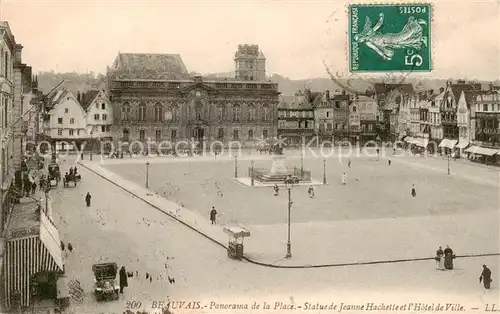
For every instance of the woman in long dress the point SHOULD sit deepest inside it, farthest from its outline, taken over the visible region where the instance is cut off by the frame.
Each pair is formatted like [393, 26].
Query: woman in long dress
[439, 259]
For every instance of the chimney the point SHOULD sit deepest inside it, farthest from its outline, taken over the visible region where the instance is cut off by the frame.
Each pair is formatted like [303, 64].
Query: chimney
[19, 49]
[343, 92]
[327, 95]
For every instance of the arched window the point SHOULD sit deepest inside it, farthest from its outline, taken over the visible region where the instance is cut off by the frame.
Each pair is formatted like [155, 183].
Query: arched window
[126, 135]
[126, 112]
[158, 112]
[221, 112]
[251, 112]
[266, 114]
[236, 112]
[142, 112]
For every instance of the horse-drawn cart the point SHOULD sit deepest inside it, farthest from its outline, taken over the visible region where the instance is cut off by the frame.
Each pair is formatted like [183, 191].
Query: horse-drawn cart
[54, 174]
[105, 285]
[74, 178]
[236, 236]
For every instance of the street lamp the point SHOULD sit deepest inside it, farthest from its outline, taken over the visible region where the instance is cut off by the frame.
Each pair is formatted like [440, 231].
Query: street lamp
[324, 171]
[251, 173]
[147, 174]
[448, 164]
[302, 163]
[235, 166]
[91, 144]
[288, 185]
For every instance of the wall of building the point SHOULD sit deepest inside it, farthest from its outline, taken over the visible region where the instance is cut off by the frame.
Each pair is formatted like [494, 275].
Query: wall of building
[73, 117]
[99, 121]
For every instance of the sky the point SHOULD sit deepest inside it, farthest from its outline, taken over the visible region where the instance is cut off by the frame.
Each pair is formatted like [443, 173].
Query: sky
[297, 37]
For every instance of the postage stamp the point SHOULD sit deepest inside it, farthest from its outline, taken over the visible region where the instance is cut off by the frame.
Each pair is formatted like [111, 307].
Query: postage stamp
[390, 37]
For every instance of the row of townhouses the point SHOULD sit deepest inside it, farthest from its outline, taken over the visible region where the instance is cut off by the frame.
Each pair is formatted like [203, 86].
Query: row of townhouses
[460, 119]
[316, 118]
[80, 121]
[29, 240]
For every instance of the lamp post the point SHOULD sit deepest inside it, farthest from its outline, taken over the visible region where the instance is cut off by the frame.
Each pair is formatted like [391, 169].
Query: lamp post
[235, 166]
[91, 144]
[288, 185]
[302, 163]
[324, 171]
[448, 164]
[252, 175]
[147, 174]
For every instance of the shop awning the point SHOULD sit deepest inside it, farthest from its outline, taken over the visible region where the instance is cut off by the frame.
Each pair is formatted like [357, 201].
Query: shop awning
[447, 143]
[462, 145]
[32, 246]
[482, 151]
[421, 142]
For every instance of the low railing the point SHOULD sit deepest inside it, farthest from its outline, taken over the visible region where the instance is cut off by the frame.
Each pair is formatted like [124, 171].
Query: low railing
[260, 173]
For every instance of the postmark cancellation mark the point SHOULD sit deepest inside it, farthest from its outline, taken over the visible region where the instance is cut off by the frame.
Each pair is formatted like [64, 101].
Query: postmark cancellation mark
[395, 37]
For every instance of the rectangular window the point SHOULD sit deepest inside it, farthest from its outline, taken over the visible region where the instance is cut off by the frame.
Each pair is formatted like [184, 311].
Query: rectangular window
[104, 117]
[328, 114]
[103, 128]
[250, 134]
[78, 132]
[97, 106]
[370, 127]
[96, 116]
[158, 136]
[72, 121]
[142, 135]
[59, 132]
[235, 135]
[108, 128]
[220, 135]
[173, 135]
[264, 134]
[59, 120]
[71, 132]
[103, 106]
[485, 107]
[65, 110]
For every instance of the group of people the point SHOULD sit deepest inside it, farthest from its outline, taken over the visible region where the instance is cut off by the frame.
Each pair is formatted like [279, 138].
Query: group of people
[444, 258]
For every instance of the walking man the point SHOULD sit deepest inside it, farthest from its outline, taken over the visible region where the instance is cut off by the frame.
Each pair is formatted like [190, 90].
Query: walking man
[389, 162]
[344, 179]
[33, 188]
[213, 215]
[413, 191]
[123, 279]
[486, 277]
[87, 199]
[349, 163]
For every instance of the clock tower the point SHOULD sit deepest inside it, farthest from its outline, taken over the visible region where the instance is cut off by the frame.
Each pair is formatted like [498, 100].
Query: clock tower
[250, 63]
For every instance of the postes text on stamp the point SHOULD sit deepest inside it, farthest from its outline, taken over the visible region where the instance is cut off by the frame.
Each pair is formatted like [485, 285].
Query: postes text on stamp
[395, 37]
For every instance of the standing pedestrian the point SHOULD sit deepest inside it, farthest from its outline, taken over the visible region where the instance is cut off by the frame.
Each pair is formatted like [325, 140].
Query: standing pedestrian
[213, 215]
[62, 246]
[123, 279]
[70, 247]
[389, 162]
[344, 179]
[311, 191]
[276, 190]
[33, 188]
[485, 277]
[349, 163]
[413, 191]
[87, 199]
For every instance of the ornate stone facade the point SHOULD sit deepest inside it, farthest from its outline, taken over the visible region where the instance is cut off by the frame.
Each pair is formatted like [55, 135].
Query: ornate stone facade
[172, 106]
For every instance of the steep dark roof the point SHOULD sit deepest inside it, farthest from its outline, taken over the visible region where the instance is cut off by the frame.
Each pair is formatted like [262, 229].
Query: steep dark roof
[88, 98]
[457, 89]
[146, 64]
[383, 89]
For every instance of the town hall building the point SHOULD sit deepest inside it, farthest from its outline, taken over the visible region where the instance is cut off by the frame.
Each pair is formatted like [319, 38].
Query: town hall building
[154, 98]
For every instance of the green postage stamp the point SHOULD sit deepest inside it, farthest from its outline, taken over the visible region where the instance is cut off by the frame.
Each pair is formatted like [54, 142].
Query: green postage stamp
[394, 37]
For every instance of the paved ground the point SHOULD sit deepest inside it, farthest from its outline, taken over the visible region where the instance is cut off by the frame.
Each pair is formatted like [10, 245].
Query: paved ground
[118, 227]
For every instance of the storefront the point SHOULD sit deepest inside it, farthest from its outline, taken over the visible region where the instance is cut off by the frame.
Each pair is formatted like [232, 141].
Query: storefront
[447, 146]
[33, 258]
[483, 154]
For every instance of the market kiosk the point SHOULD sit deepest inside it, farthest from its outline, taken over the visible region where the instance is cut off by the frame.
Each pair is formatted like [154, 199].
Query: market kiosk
[236, 236]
